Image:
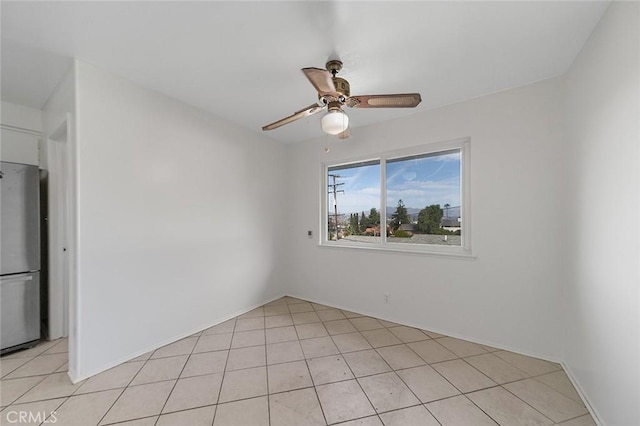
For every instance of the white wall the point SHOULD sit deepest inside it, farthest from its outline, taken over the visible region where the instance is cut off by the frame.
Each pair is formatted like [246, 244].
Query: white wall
[601, 303]
[508, 295]
[179, 219]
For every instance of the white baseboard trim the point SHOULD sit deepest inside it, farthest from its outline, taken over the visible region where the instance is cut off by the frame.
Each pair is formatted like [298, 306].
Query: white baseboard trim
[439, 331]
[585, 400]
[75, 378]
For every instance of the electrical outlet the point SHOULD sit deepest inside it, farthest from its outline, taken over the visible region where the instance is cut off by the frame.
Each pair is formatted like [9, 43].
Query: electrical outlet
[387, 299]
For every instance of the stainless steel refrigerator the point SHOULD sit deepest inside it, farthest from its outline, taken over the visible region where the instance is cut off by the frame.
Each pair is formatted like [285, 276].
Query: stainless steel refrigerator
[20, 256]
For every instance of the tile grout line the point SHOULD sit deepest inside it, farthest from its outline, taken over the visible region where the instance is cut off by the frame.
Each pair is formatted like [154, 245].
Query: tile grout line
[392, 370]
[468, 399]
[3, 373]
[448, 381]
[313, 383]
[424, 404]
[224, 372]
[123, 390]
[529, 405]
[44, 377]
[29, 362]
[531, 376]
[573, 418]
[129, 385]
[53, 411]
[65, 398]
[507, 390]
[266, 365]
[557, 390]
[356, 378]
[306, 363]
[451, 397]
[404, 383]
[480, 372]
[178, 378]
[501, 385]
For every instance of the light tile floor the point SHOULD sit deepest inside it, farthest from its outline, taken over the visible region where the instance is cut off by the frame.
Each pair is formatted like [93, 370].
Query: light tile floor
[292, 362]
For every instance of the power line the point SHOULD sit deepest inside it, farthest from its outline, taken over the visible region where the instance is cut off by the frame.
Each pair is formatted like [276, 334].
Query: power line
[335, 190]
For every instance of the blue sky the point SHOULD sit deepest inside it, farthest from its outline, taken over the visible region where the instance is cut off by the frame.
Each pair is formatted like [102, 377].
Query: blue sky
[418, 182]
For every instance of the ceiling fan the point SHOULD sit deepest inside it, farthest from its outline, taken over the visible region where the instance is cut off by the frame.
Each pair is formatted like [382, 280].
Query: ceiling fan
[334, 93]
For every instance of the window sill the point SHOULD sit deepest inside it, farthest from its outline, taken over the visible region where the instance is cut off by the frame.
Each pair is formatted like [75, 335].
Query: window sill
[437, 251]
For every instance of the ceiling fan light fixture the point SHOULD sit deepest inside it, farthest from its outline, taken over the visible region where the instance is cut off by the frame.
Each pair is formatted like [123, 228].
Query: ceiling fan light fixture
[335, 122]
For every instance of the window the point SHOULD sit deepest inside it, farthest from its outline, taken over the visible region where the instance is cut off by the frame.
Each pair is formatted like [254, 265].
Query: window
[412, 200]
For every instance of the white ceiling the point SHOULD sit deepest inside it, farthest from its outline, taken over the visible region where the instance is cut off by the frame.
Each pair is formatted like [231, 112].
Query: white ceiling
[242, 60]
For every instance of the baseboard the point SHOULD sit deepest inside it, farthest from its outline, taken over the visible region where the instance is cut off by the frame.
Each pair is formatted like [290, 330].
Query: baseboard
[75, 378]
[439, 331]
[581, 393]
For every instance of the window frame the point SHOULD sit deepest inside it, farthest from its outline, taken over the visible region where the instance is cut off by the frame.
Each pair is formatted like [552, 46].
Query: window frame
[464, 250]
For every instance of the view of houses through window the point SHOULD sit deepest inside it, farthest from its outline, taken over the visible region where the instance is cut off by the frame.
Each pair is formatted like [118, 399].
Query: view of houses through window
[423, 195]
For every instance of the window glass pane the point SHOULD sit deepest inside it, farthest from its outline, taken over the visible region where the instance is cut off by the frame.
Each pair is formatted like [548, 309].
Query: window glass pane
[424, 199]
[353, 202]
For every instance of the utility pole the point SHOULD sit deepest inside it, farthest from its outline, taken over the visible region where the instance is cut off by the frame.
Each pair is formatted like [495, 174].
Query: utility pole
[334, 189]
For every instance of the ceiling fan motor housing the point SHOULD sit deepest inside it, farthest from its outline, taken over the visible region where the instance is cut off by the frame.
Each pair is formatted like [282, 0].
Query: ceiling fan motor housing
[342, 86]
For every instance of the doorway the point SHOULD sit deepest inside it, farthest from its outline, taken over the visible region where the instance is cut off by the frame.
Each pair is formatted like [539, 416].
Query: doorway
[58, 224]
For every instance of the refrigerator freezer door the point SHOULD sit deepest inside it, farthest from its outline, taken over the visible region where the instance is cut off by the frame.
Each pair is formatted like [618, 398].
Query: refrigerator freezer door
[19, 218]
[20, 310]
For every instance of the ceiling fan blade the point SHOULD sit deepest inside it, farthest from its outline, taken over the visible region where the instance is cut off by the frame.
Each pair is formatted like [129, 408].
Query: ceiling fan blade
[400, 100]
[322, 81]
[310, 110]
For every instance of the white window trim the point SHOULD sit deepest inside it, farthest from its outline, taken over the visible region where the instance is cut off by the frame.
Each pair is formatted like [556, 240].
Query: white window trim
[463, 251]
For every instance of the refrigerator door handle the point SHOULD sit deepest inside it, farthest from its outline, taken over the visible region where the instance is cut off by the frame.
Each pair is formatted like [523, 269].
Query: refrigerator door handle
[14, 279]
